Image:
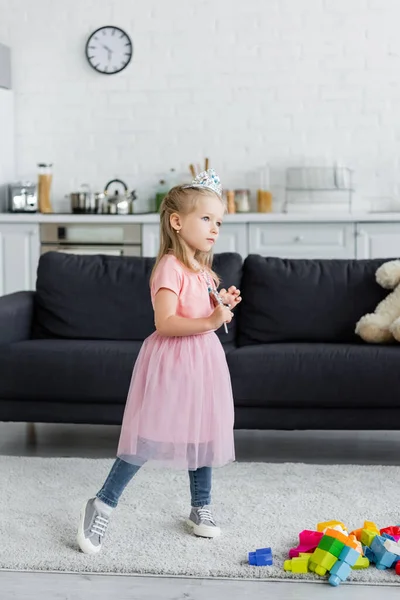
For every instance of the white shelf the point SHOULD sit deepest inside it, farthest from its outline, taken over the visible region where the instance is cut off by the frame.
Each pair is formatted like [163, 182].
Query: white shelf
[335, 217]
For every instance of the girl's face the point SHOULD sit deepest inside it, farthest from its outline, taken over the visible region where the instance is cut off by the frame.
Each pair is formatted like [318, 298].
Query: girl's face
[200, 228]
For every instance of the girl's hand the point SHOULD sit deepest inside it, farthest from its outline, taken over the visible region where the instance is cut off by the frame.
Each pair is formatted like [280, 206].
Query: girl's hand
[230, 296]
[221, 315]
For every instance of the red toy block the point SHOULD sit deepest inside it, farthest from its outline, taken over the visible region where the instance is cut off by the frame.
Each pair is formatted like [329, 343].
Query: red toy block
[308, 541]
[398, 567]
[393, 531]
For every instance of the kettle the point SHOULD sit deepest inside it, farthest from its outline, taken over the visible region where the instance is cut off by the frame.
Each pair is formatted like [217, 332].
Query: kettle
[121, 201]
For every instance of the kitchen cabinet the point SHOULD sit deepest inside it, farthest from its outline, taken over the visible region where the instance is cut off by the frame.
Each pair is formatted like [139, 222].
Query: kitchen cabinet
[276, 236]
[19, 257]
[232, 238]
[302, 240]
[378, 240]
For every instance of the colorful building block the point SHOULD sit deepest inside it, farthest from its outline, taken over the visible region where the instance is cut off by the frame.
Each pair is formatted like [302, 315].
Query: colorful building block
[382, 557]
[392, 531]
[342, 568]
[369, 554]
[332, 545]
[308, 541]
[262, 557]
[371, 526]
[362, 563]
[321, 561]
[298, 564]
[367, 536]
[398, 567]
[339, 572]
[347, 540]
[356, 533]
[330, 525]
[392, 547]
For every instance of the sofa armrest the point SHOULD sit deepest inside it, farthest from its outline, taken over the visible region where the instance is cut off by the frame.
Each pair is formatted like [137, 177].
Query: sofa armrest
[16, 312]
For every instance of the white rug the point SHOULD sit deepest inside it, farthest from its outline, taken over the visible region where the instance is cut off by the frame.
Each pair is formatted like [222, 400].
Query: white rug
[256, 505]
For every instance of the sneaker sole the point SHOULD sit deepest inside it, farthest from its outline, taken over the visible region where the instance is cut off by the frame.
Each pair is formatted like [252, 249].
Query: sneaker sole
[84, 544]
[203, 530]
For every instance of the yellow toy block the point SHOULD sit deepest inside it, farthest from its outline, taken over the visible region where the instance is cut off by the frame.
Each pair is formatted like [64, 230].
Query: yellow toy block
[326, 524]
[321, 561]
[362, 563]
[298, 564]
[367, 537]
[371, 526]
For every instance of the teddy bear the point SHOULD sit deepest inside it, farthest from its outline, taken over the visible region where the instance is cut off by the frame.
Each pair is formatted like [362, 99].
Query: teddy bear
[383, 325]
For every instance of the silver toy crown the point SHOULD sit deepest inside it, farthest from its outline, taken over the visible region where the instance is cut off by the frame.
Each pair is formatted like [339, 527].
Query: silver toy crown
[207, 179]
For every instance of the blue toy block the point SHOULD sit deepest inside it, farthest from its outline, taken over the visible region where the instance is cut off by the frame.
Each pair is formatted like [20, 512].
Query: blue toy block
[388, 537]
[262, 557]
[340, 572]
[349, 555]
[369, 554]
[382, 558]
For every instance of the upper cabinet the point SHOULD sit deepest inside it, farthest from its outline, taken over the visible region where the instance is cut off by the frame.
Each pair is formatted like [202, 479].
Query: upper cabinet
[5, 67]
[378, 240]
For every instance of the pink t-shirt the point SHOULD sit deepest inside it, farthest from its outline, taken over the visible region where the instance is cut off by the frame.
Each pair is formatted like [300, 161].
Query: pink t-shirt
[193, 298]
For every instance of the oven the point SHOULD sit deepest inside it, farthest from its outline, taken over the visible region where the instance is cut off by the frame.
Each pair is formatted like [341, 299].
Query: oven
[114, 239]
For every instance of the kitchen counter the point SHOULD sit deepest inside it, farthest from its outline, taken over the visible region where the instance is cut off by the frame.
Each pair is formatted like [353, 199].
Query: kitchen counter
[359, 217]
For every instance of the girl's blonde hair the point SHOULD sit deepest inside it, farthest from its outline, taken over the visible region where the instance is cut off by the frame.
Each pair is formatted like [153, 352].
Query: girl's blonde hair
[182, 200]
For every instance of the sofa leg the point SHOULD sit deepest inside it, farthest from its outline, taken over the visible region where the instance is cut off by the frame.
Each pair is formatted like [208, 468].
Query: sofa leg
[31, 437]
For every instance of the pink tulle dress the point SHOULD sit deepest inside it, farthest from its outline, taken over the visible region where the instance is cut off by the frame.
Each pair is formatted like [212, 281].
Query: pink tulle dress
[179, 410]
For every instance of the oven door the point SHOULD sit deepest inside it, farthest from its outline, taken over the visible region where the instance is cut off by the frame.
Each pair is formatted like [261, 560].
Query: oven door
[92, 249]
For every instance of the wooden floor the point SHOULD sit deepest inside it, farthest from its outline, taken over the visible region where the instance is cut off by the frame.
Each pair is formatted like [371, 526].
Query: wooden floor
[98, 441]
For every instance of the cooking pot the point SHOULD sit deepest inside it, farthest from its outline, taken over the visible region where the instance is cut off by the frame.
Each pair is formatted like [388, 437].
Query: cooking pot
[85, 201]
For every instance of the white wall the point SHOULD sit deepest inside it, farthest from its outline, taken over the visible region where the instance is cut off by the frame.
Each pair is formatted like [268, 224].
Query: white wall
[284, 81]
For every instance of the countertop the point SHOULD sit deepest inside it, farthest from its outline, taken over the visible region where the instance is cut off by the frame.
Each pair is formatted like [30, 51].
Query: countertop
[363, 217]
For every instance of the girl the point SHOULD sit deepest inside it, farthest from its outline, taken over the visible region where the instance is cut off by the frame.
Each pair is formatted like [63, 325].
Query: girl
[179, 409]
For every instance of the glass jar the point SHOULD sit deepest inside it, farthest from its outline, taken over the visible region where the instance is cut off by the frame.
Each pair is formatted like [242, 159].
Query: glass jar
[242, 200]
[45, 175]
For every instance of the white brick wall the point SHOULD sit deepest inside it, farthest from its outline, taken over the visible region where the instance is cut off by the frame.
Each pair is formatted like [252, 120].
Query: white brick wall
[288, 82]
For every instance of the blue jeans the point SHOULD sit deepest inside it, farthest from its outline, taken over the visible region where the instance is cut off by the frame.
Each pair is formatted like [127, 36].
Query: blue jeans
[122, 472]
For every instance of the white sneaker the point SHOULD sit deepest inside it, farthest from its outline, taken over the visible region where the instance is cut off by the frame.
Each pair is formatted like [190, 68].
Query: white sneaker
[92, 528]
[202, 522]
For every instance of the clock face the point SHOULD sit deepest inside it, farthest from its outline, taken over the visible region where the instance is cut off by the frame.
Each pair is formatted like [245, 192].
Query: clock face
[109, 50]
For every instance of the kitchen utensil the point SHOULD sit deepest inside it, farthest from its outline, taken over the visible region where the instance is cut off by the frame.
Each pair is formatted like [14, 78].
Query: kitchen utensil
[85, 201]
[119, 202]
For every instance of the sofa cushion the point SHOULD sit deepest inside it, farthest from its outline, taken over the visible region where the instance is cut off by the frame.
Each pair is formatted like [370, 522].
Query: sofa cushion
[103, 297]
[287, 300]
[67, 370]
[304, 375]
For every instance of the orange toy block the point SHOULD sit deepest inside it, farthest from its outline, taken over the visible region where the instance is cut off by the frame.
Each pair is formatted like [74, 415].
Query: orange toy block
[324, 525]
[342, 538]
[357, 533]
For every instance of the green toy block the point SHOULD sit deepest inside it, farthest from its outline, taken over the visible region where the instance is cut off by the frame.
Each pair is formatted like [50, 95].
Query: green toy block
[362, 563]
[321, 561]
[367, 537]
[331, 545]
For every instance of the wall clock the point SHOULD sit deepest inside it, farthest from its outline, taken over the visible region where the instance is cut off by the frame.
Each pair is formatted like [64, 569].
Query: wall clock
[109, 50]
